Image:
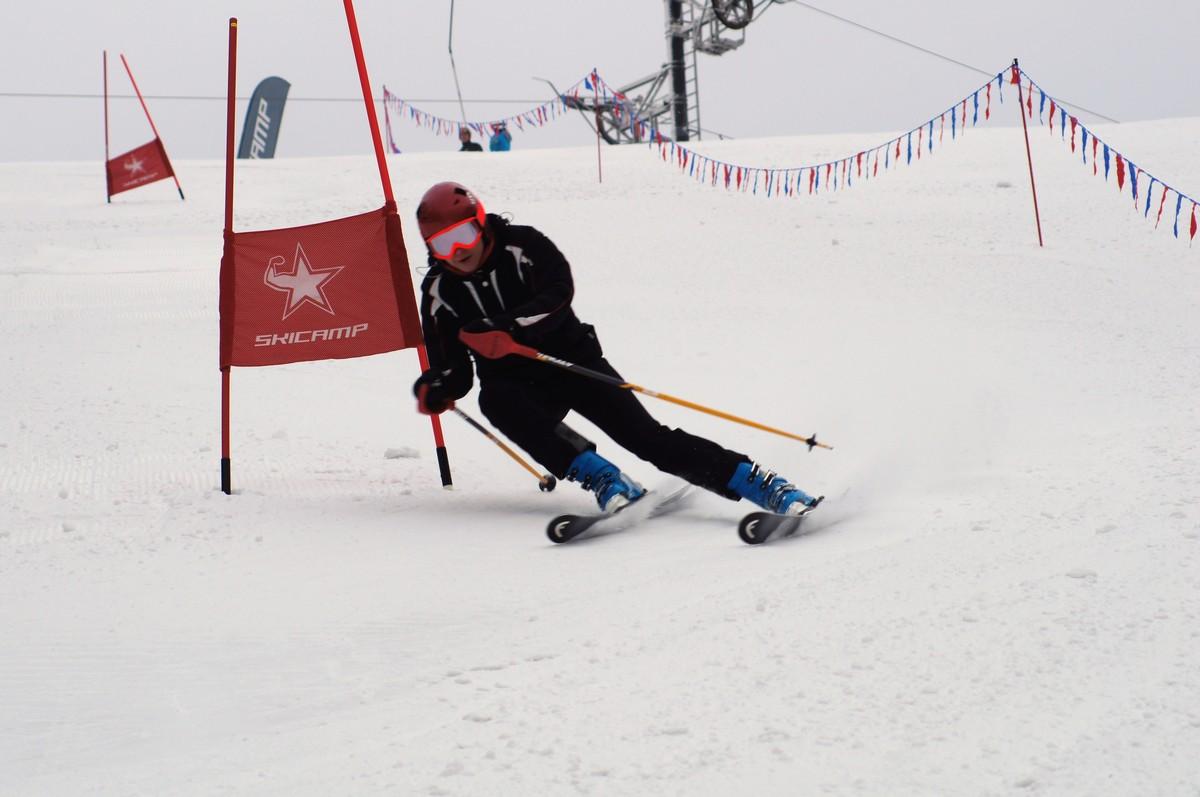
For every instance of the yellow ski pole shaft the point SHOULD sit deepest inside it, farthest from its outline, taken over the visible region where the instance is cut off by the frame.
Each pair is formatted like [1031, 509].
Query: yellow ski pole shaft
[494, 344]
[546, 482]
[811, 440]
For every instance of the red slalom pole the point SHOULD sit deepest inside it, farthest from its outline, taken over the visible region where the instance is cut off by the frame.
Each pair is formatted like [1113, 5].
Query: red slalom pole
[1016, 78]
[107, 179]
[227, 290]
[150, 119]
[373, 120]
[596, 105]
[230, 98]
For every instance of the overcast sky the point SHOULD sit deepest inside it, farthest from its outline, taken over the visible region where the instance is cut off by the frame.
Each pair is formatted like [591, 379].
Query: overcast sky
[799, 71]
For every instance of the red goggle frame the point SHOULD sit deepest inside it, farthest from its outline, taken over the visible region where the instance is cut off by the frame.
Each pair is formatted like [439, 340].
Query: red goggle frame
[459, 235]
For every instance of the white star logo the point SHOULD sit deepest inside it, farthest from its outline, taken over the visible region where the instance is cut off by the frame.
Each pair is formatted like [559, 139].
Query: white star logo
[134, 165]
[304, 284]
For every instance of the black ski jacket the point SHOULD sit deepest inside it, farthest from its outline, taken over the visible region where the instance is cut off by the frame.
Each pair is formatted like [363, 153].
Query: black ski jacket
[524, 286]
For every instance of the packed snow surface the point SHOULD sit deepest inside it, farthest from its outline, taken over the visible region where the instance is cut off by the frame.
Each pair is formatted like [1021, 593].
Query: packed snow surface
[1001, 594]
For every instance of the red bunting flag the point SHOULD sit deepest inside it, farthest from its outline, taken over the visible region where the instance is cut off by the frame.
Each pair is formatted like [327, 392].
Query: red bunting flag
[1074, 122]
[1193, 225]
[324, 291]
[1052, 107]
[987, 109]
[1161, 203]
[1095, 148]
[1120, 172]
[1015, 79]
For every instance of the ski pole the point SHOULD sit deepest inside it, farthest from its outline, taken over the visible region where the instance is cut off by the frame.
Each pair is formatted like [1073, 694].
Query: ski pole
[546, 482]
[497, 344]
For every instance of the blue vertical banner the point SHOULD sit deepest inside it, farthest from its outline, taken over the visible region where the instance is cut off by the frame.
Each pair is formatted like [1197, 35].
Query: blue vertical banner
[260, 131]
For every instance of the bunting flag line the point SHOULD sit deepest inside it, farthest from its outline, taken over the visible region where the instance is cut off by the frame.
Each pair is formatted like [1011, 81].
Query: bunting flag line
[1125, 167]
[537, 116]
[838, 174]
[861, 166]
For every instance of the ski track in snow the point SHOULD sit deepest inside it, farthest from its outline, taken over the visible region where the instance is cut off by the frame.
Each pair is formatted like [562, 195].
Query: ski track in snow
[1000, 595]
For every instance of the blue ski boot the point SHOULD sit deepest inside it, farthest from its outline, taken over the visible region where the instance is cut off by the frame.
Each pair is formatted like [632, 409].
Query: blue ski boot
[613, 489]
[769, 490]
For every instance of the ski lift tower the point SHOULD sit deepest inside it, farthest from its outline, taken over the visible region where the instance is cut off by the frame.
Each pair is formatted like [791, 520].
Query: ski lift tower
[693, 26]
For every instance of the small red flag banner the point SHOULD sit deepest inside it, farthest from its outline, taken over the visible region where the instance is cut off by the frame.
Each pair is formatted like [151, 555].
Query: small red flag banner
[324, 291]
[141, 166]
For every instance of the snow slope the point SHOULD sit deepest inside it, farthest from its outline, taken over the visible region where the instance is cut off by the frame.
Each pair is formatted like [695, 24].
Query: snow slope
[1001, 596]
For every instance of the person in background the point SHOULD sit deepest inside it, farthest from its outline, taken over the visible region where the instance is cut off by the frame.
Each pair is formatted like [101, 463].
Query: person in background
[487, 276]
[501, 140]
[464, 135]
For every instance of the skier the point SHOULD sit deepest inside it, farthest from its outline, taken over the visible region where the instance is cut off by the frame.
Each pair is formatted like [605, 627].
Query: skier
[489, 275]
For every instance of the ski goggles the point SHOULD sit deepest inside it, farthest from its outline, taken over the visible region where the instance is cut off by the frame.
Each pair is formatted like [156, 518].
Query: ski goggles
[460, 235]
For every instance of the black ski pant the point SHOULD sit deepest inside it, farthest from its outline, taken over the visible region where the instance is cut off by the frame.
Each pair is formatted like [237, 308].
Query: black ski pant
[529, 401]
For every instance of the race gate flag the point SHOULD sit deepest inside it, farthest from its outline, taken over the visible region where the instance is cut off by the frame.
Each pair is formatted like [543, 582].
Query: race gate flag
[324, 291]
[146, 164]
[139, 166]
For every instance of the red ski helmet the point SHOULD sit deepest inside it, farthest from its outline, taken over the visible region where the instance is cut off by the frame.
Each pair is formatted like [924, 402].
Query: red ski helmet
[445, 204]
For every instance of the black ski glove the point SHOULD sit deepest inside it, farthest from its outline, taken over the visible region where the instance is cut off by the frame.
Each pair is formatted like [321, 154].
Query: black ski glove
[433, 392]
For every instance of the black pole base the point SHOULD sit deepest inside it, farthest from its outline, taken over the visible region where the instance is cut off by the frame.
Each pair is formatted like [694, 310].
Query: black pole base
[444, 467]
[226, 477]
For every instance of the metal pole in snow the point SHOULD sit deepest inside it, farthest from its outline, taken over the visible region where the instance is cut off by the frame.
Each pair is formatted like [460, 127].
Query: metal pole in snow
[1016, 78]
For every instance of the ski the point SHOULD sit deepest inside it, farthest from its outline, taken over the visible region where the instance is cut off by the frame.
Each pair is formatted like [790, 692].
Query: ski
[759, 527]
[565, 528]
